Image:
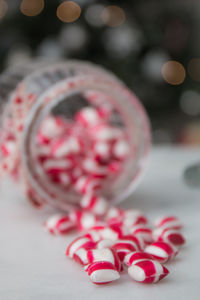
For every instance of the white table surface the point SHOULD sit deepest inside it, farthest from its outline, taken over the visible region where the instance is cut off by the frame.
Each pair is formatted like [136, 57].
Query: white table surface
[33, 265]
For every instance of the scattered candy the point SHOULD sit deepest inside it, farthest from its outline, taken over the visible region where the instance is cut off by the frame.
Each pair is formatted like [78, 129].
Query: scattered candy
[59, 224]
[104, 249]
[161, 251]
[104, 254]
[78, 243]
[85, 185]
[84, 220]
[136, 256]
[95, 204]
[143, 232]
[102, 272]
[147, 271]
[169, 222]
[81, 254]
[171, 236]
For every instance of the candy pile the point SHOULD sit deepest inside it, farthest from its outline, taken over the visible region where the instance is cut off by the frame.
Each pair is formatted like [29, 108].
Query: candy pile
[119, 240]
[80, 154]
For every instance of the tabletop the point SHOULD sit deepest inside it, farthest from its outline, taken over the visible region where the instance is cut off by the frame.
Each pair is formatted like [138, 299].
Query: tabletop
[33, 265]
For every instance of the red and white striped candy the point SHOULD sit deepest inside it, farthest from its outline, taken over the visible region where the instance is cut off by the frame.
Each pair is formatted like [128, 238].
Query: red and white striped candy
[134, 217]
[136, 256]
[65, 179]
[84, 220]
[104, 254]
[114, 213]
[76, 173]
[51, 127]
[143, 232]
[85, 185]
[108, 232]
[59, 224]
[75, 245]
[105, 243]
[124, 246]
[95, 204]
[80, 255]
[90, 166]
[101, 151]
[121, 149]
[147, 271]
[111, 232]
[93, 235]
[129, 218]
[65, 146]
[102, 272]
[169, 222]
[136, 239]
[106, 133]
[161, 251]
[88, 117]
[52, 166]
[172, 236]
[105, 110]
[102, 102]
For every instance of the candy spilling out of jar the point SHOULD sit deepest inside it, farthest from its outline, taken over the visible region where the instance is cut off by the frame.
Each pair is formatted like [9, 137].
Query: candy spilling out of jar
[119, 240]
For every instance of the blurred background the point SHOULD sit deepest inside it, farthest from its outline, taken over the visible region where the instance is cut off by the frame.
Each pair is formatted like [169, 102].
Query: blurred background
[152, 45]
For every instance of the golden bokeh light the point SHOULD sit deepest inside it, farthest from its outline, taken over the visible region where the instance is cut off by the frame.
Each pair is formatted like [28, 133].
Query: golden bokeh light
[113, 16]
[68, 11]
[3, 8]
[32, 8]
[194, 69]
[173, 72]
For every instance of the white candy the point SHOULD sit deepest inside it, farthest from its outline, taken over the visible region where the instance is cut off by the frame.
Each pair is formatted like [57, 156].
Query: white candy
[102, 150]
[121, 149]
[58, 164]
[65, 147]
[59, 224]
[106, 243]
[102, 272]
[97, 205]
[91, 166]
[50, 128]
[75, 245]
[147, 271]
[88, 116]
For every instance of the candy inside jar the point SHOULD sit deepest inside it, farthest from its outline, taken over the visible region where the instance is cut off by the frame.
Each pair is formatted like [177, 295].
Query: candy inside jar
[77, 130]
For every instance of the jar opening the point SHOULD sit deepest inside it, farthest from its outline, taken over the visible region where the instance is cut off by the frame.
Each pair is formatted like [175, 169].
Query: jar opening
[63, 101]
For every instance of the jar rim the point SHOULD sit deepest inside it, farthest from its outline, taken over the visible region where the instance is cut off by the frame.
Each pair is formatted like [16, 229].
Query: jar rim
[90, 82]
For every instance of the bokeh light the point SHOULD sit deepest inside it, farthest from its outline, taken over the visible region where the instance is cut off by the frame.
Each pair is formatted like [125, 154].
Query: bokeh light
[194, 69]
[50, 47]
[113, 16]
[152, 64]
[3, 8]
[173, 72]
[18, 54]
[122, 41]
[190, 103]
[191, 134]
[93, 15]
[68, 11]
[32, 8]
[73, 37]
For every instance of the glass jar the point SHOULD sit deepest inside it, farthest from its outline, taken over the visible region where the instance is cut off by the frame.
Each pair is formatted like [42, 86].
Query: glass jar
[30, 93]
